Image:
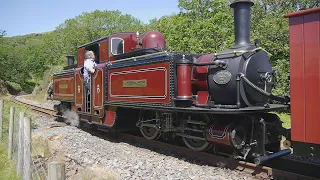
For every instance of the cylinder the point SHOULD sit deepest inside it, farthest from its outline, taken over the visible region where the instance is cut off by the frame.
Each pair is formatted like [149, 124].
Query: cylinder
[225, 132]
[241, 13]
[184, 87]
[70, 60]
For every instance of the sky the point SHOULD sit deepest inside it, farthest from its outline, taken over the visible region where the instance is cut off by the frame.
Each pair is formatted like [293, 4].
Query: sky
[20, 17]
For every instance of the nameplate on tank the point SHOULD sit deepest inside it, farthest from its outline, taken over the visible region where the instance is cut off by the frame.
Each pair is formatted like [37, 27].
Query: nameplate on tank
[222, 77]
[63, 86]
[134, 83]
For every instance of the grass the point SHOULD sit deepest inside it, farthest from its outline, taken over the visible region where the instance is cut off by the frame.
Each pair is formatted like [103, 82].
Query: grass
[286, 119]
[14, 85]
[39, 93]
[40, 147]
[7, 168]
[39, 97]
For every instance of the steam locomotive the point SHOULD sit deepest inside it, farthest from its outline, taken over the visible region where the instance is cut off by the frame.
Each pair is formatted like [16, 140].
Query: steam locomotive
[214, 101]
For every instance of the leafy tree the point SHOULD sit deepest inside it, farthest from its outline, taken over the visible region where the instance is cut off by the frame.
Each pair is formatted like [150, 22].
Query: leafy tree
[201, 26]
[2, 33]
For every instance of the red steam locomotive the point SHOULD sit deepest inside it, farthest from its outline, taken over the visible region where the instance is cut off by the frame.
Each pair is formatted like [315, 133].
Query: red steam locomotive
[217, 100]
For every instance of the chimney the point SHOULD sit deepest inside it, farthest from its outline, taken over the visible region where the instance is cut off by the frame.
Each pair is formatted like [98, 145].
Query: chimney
[241, 11]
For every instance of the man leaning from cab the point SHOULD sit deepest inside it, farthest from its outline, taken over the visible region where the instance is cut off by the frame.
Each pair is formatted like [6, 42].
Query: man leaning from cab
[89, 67]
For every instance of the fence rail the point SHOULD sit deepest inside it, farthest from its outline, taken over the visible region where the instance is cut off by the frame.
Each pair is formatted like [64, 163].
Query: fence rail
[20, 146]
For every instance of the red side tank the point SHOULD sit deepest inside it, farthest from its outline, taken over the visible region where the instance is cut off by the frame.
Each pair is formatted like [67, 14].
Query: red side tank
[153, 39]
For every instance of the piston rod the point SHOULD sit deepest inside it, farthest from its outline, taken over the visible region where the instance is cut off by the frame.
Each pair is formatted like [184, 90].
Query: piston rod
[262, 159]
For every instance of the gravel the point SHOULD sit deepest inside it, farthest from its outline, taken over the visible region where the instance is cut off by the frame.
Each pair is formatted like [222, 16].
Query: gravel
[129, 161]
[85, 153]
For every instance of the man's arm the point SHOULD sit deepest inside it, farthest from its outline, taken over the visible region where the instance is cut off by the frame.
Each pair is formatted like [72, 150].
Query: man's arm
[92, 70]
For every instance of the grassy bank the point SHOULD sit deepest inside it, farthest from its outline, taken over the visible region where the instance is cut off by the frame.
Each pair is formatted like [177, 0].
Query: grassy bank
[8, 168]
[39, 93]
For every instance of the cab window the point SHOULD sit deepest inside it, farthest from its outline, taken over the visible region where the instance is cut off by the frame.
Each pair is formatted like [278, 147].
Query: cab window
[95, 48]
[117, 46]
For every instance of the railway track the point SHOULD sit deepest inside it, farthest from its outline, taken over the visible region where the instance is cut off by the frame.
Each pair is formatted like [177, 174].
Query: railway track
[37, 109]
[275, 169]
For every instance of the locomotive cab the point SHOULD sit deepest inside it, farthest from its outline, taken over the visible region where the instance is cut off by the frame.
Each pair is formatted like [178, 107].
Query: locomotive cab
[114, 48]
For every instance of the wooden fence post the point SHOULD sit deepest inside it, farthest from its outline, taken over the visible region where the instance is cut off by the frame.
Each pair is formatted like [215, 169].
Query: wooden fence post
[1, 114]
[10, 136]
[56, 171]
[27, 149]
[20, 145]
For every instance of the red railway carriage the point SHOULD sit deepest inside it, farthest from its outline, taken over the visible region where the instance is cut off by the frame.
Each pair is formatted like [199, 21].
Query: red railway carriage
[304, 33]
[217, 100]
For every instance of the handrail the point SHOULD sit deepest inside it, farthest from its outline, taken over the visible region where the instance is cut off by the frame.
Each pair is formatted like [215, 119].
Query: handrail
[242, 52]
[137, 57]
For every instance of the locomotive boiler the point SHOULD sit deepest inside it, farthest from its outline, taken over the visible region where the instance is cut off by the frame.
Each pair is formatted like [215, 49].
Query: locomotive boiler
[216, 101]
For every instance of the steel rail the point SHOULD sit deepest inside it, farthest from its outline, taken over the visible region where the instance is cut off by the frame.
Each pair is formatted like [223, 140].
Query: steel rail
[37, 109]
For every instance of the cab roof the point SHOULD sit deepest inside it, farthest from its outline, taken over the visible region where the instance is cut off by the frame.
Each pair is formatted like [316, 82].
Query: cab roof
[101, 39]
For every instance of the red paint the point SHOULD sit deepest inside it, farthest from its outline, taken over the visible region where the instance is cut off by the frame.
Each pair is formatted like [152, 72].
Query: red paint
[73, 108]
[78, 88]
[202, 97]
[297, 79]
[153, 39]
[157, 88]
[80, 57]
[218, 132]
[303, 12]
[203, 59]
[304, 75]
[63, 87]
[184, 81]
[200, 73]
[312, 91]
[110, 116]
[130, 42]
[104, 50]
[98, 90]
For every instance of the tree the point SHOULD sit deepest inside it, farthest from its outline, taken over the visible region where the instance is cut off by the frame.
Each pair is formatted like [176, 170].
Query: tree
[202, 26]
[2, 33]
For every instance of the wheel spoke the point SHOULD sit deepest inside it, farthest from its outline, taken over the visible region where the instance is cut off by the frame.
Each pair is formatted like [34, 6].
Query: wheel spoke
[150, 133]
[196, 145]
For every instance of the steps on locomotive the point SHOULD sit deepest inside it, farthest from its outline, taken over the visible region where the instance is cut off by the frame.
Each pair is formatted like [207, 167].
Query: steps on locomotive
[88, 100]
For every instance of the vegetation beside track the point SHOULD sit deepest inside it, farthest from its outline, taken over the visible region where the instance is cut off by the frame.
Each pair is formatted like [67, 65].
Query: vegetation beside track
[7, 167]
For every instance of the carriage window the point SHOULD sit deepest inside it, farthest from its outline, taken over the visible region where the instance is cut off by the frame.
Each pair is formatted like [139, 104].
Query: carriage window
[117, 46]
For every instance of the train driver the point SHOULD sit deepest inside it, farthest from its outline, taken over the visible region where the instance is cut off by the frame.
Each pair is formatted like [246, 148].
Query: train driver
[89, 68]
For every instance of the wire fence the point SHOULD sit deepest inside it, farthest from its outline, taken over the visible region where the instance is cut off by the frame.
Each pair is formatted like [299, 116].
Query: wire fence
[16, 133]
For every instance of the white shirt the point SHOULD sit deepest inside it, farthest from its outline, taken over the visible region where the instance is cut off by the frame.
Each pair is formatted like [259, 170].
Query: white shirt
[88, 64]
